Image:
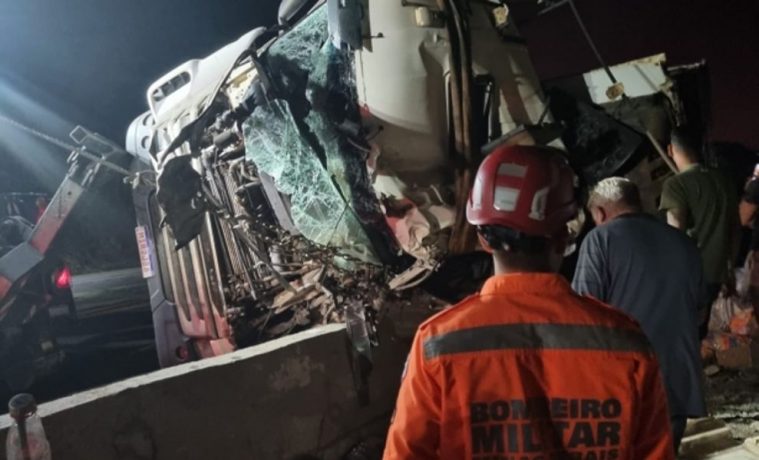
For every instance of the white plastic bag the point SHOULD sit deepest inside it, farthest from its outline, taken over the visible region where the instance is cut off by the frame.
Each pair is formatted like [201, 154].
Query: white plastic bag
[723, 311]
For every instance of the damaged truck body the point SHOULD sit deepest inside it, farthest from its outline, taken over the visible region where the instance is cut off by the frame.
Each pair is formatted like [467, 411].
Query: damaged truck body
[317, 171]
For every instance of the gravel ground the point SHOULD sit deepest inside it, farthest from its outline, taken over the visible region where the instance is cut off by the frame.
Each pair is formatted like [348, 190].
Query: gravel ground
[733, 397]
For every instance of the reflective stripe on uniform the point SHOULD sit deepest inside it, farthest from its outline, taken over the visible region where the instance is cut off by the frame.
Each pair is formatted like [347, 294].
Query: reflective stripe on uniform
[536, 337]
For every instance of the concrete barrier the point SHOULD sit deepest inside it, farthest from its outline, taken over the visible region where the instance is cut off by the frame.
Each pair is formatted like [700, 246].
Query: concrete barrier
[288, 397]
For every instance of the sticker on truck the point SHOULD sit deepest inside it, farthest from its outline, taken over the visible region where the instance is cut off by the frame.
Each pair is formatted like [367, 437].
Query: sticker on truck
[145, 246]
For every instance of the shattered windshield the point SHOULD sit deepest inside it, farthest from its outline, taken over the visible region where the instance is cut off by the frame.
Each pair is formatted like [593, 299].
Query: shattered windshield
[305, 139]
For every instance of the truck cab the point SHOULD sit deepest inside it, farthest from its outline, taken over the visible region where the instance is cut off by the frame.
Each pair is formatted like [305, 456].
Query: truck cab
[317, 170]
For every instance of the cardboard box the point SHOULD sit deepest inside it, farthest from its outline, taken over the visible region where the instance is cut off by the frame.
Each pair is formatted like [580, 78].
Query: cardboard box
[741, 355]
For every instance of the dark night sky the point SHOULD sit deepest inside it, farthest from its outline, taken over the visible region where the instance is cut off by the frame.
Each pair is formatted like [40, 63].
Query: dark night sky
[89, 62]
[725, 33]
[64, 62]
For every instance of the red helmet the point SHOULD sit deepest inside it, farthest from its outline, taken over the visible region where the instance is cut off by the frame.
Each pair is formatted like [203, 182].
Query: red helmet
[525, 188]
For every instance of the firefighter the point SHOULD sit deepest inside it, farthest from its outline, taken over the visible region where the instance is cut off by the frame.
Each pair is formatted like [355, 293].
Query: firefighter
[527, 369]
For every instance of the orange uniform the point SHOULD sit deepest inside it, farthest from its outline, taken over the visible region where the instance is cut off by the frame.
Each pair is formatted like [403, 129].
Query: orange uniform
[528, 370]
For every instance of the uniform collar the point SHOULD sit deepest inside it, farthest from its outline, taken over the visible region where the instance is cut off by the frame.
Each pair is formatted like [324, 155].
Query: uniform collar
[525, 282]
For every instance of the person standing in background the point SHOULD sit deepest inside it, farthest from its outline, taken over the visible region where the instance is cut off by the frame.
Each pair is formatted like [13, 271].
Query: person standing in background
[701, 201]
[748, 214]
[635, 262]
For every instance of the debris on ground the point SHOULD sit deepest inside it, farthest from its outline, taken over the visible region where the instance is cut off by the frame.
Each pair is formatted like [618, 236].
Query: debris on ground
[731, 351]
[704, 437]
[733, 339]
[712, 370]
[733, 397]
[732, 430]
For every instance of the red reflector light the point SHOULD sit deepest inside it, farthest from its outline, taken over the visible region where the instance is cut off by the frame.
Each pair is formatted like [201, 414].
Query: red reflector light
[63, 278]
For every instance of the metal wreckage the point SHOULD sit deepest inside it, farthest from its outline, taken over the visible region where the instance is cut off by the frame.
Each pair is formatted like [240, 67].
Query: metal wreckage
[317, 171]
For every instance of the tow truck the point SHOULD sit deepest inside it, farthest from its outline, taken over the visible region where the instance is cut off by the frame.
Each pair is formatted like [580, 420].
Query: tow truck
[35, 283]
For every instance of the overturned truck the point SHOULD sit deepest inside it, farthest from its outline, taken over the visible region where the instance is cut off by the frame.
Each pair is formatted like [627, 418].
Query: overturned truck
[317, 171]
